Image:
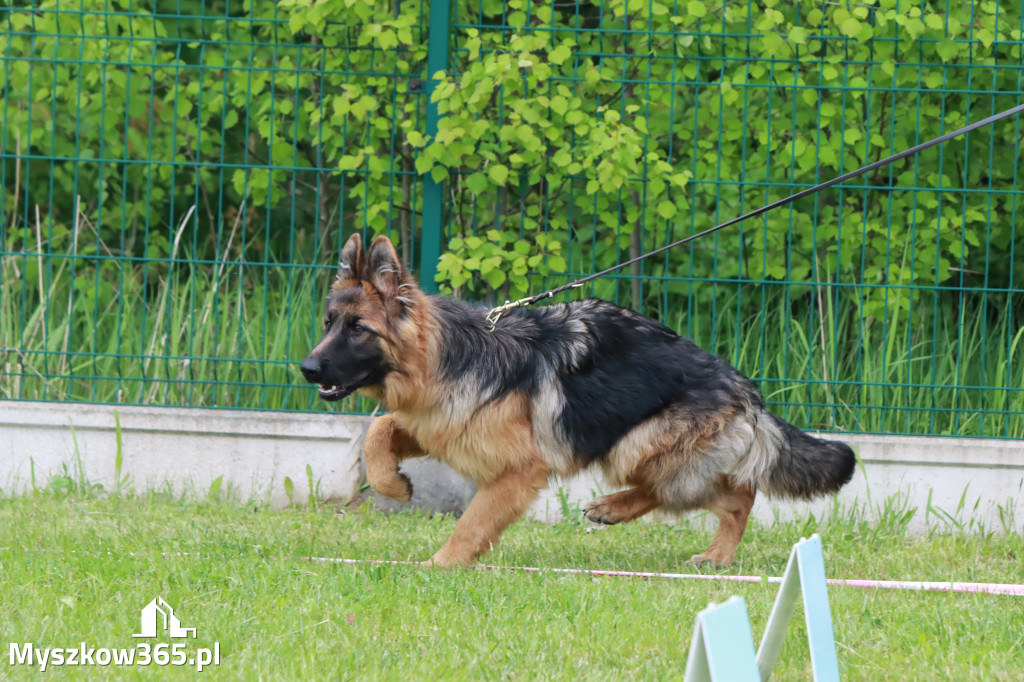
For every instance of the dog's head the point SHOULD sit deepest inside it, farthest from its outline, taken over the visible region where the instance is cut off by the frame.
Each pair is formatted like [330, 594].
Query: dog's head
[372, 295]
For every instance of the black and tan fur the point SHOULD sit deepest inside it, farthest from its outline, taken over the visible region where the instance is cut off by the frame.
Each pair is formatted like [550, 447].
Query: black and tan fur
[548, 392]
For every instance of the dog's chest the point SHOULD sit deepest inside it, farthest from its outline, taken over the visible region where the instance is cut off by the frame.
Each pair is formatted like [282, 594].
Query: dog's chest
[482, 444]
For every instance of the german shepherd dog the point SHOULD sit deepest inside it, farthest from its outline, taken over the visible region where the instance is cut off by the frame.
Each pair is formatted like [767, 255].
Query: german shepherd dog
[548, 392]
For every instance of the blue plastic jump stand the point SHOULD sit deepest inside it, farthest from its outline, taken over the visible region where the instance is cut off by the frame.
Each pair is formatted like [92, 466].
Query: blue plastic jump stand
[722, 649]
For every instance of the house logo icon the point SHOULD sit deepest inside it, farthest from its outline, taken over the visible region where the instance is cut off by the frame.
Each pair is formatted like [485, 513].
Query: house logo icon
[158, 613]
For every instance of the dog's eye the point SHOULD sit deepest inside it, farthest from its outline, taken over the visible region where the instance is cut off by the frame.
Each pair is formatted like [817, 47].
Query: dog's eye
[327, 323]
[358, 328]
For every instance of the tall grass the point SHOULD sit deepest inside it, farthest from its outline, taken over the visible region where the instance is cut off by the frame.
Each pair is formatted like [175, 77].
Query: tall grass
[949, 369]
[171, 331]
[229, 333]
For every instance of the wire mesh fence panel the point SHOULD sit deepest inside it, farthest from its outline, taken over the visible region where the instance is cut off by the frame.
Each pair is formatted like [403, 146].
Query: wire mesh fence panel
[173, 193]
[888, 304]
[178, 178]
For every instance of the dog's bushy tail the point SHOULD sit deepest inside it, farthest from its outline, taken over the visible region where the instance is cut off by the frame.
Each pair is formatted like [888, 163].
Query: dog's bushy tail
[805, 466]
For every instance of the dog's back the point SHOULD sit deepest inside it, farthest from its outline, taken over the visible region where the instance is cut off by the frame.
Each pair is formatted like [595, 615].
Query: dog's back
[600, 372]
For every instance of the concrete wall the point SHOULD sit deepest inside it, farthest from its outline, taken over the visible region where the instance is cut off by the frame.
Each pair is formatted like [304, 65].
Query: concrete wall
[180, 448]
[952, 482]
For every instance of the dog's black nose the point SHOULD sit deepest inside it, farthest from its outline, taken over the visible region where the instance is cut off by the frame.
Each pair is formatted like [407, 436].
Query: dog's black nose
[311, 369]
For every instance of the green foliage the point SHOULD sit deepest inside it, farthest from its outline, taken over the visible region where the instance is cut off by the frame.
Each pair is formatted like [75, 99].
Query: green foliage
[146, 114]
[654, 127]
[71, 97]
[544, 139]
[501, 261]
[668, 119]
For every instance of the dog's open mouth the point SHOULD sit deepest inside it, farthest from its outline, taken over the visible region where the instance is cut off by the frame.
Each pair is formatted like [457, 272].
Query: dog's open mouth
[332, 393]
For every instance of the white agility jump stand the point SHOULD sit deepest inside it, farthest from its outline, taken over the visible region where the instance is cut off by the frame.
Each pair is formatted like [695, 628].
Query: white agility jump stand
[806, 570]
[722, 648]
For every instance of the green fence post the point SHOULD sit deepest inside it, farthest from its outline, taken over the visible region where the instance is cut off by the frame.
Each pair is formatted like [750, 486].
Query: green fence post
[433, 192]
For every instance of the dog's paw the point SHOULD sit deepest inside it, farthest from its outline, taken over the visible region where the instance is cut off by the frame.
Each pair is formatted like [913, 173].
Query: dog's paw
[446, 559]
[397, 487]
[711, 558]
[601, 512]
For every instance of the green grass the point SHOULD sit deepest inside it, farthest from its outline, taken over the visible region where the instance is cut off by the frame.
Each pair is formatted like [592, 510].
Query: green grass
[77, 568]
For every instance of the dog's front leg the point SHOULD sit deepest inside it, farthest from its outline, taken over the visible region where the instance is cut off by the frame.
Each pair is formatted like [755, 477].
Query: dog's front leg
[387, 444]
[496, 504]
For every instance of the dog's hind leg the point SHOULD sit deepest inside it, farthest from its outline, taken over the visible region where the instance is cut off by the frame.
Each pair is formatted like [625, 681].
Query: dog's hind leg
[387, 444]
[622, 506]
[496, 504]
[731, 504]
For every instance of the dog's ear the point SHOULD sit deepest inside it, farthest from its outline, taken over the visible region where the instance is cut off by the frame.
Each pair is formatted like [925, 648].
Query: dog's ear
[350, 269]
[385, 271]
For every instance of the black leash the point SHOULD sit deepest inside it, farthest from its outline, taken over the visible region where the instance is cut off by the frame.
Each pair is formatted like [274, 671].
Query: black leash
[495, 314]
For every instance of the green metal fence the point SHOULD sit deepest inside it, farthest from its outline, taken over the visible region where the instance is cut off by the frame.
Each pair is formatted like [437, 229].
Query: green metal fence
[178, 178]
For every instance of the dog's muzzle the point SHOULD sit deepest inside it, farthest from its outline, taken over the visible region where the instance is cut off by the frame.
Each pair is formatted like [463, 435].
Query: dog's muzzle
[330, 390]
